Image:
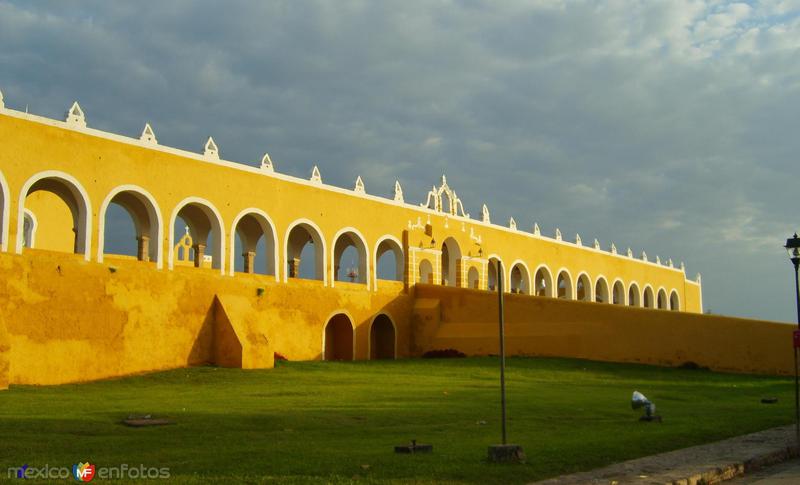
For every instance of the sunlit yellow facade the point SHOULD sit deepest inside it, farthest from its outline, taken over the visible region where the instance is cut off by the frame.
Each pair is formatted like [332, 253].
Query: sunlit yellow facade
[59, 178]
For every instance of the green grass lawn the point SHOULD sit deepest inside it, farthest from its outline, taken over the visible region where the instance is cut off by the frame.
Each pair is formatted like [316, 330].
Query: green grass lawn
[324, 422]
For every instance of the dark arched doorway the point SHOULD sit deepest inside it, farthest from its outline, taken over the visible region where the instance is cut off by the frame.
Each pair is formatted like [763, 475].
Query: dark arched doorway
[338, 338]
[382, 338]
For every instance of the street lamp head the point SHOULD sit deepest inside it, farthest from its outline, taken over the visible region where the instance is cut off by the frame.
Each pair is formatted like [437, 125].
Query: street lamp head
[793, 248]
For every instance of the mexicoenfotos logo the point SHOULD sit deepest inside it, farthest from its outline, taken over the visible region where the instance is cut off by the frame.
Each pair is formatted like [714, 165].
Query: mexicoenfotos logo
[83, 472]
[86, 472]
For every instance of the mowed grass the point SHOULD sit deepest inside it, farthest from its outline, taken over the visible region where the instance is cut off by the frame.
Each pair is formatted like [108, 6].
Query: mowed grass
[326, 422]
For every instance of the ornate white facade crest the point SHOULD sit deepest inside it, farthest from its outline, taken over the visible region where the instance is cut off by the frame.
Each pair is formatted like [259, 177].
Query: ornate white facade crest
[436, 200]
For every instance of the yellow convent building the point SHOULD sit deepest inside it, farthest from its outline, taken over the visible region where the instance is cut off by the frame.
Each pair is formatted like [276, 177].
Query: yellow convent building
[234, 263]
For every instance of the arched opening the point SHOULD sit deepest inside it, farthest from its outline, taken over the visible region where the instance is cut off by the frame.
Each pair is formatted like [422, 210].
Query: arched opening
[253, 242]
[425, 272]
[61, 210]
[350, 258]
[543, 282]
[520, 279]
[389, 264]
[451, 260]
[5, 204]
[338, 338]
[564, 285]
[618, 293]
[633, 295]
[305, 252]
[473, 279]
[492, 269]
[131, 225]
[382, 338]
[601, 290]
[583, 288]
[662, 299]
[648, 297]
[674, 301]
[29, 230]
[197, 227]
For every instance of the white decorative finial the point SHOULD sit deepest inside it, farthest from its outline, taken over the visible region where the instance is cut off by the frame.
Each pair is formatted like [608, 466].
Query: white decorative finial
[211, 150]
[536, 230]
[485, 215]
[187, 230]
[359, 188]
[266, 163]
[512, 224]
[613, 248]
[148, 135]
[316, 177]
[658, 259]
[596, 243]
[699, 278]
[630, 252]
[644, 256]
[578, 240]
[2, 102]
[75, 116]
[558, 234]
[444, 180]
[683, 267]
[398, 192]
[669, 263]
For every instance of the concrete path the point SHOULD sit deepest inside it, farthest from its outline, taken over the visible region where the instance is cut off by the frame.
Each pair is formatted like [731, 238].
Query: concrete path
[787, 473]
[704, 464]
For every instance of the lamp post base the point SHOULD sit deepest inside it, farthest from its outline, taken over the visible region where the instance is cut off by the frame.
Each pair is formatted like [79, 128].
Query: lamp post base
[506, 454]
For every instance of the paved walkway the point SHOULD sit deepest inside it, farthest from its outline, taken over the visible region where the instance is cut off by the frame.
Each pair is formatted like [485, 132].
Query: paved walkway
[782, 474]
[704, 464]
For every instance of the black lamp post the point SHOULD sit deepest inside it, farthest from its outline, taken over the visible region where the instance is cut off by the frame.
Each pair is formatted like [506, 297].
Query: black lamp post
[793, 248]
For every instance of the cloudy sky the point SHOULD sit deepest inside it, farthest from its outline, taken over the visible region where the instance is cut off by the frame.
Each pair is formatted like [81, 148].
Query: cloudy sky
[668, 126]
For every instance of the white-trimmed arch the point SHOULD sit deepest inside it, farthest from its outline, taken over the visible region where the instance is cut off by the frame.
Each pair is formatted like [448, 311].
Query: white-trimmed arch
[325, 328]
[321, 254]
[399, 257]
[548, 278]
[588, 287]
[363, 255]
[602, 279]
[652, 296]
[489, 262]
[154, 211]
[637, 300]
[674, 300]
[272, 230]
[83, 218]
[215, 223]
[525, 276]
[34, 226]
[623, 296]
[5, 214]
[369, 340]
[569, 289]
[661, 291]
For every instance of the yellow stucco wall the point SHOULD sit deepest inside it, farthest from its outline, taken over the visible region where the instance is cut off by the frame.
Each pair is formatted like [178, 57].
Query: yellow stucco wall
[468, 321]
[68, 320]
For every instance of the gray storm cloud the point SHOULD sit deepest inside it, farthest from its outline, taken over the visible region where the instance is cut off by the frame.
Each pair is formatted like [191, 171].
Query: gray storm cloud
[664, 126]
